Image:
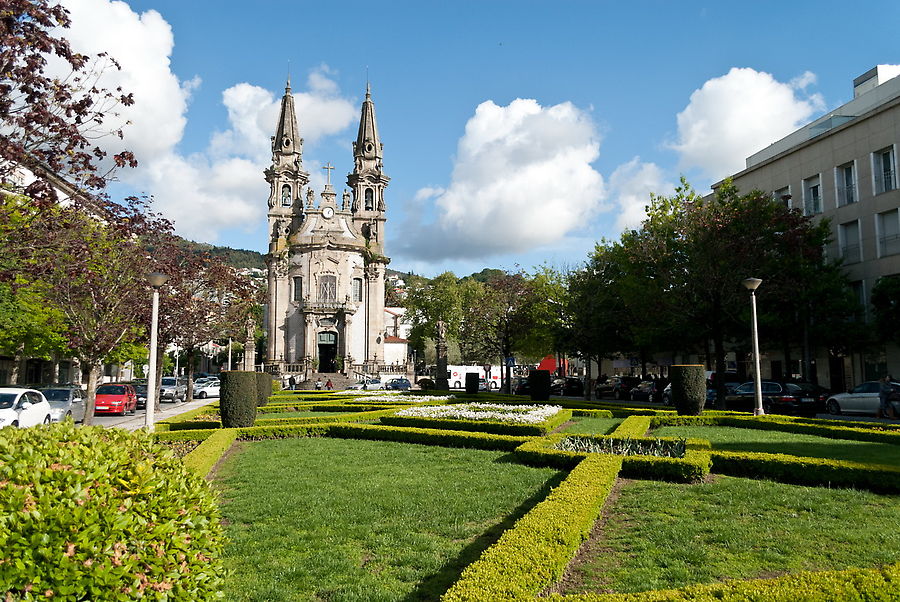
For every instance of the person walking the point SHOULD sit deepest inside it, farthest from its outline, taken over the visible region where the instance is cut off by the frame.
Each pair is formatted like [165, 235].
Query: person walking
[318, 384]
[328, 385]
[292, 382]
[884, 392]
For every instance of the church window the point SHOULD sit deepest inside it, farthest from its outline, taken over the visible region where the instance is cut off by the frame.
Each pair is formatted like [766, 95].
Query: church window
[286, 195]
[328, 288]
[357, 290]
[298, 288]
[370, 199]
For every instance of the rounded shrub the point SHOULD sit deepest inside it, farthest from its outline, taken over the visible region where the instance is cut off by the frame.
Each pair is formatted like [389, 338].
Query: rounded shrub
[263, 388]
[688, 389]
[238, 397]
[539, 383]
[472, 382]
[88, 513]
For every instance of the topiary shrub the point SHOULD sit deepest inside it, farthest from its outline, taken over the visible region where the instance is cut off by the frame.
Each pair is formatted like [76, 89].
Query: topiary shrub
[263, 388]
[539, 384]
[688, 389]
[88, 513]
[472, 382]
[238, 397]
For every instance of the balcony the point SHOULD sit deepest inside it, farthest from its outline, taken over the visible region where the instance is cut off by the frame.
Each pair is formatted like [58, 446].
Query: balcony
[851, 254]
[331, 306]
[812, 205]
[889, 245]
[885, 181]
[846, 195]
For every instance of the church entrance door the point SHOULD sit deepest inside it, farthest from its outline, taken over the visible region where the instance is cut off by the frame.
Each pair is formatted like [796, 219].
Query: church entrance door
[327, 351]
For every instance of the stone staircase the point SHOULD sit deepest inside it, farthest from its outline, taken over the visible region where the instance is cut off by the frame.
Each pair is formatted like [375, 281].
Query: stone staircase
[339, 381]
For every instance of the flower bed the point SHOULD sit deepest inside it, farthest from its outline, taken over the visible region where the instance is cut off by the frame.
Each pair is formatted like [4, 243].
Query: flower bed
[664, 448]
[493, 412]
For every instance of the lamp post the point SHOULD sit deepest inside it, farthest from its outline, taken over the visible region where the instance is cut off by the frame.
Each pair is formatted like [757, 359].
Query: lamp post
[752, 284]
[156, 280]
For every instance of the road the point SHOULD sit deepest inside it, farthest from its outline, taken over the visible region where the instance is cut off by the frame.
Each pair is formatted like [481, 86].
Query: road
[167, 410]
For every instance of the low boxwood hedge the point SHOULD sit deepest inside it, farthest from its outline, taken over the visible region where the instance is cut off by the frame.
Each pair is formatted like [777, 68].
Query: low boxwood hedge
[485, 426]
[533, 554]
[633, 426]
[88, 513]
[203, 457]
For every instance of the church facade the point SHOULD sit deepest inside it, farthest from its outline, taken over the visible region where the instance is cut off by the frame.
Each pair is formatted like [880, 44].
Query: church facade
[326, 261]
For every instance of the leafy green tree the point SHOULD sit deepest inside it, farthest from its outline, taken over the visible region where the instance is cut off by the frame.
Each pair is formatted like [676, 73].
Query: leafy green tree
[886, 308]
[29, 325]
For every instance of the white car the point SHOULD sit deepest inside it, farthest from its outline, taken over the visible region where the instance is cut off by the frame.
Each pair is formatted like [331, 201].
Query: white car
[370, 384]
[861, 399]
[23, 408]
[208, 389]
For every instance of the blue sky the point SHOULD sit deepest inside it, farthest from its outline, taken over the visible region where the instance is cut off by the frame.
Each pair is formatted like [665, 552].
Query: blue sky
[515, 133]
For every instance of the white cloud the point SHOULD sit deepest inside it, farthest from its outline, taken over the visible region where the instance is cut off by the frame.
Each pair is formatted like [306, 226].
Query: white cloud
[735, 115]
[223, 186]
[522, 178]
[630, 186]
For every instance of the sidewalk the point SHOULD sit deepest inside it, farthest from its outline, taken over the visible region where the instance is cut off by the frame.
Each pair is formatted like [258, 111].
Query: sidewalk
[166, 410]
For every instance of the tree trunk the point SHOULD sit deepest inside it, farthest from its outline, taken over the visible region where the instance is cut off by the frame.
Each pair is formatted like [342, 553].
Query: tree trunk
[719, 346]
[18, 365]
[76, 371]
[587, 380]
[90, 399]
[189, 360]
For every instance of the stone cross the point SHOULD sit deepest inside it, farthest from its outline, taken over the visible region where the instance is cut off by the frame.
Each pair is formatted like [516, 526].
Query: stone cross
[329, 167]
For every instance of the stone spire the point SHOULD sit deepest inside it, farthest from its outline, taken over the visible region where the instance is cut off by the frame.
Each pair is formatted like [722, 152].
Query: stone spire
[287, 138]
[368, 148]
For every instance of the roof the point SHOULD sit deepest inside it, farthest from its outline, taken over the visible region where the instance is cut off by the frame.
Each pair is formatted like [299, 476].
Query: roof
[392, 339]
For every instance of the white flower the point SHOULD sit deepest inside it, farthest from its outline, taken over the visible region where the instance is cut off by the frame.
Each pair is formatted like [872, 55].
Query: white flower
[521, 414]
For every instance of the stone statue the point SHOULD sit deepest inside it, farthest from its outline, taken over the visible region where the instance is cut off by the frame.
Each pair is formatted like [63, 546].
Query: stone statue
[441, 330]
[346, 204]
[310, 197]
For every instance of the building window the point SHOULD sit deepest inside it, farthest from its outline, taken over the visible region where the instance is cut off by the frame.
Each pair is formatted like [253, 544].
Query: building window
[848, 238]
[327, 288]
[845, 184]
[883, 170]
[370, 199]
[812, 196]
[782, 196]
[860, 292]
[298, 288]
[888, 227]
[357, 290]
[286, 195]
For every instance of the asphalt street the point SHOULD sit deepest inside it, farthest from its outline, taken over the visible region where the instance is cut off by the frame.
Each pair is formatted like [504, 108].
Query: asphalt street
[166, 410]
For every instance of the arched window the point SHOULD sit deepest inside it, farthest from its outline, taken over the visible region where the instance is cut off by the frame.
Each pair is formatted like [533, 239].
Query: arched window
[286, 195]
[327, 288]
[370, 199]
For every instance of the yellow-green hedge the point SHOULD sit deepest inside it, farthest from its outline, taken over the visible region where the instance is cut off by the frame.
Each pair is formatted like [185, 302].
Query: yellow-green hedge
[203, 457]
[633, 426]
[533, 554]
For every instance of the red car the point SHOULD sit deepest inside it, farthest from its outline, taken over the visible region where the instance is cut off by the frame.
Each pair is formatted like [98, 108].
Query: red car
[115, 398]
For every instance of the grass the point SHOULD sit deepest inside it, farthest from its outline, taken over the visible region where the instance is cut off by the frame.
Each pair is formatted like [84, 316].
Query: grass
[777, 442]
[583, 425]
[331, 519]
[665, 535]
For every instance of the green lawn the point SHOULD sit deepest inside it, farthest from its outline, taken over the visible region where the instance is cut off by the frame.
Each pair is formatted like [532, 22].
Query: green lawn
[582, 425]
[777, 442]
[333, 519]
[665, 535]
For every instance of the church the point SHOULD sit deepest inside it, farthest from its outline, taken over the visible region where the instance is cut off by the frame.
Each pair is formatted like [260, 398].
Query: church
[326, 261]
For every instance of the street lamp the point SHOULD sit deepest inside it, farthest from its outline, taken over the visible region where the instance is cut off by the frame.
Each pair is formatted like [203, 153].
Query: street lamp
[156, 280]
[752, 284]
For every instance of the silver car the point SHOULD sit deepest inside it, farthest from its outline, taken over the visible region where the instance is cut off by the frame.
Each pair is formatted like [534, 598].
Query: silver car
[172, 389]
[65, 403]
[861, 399]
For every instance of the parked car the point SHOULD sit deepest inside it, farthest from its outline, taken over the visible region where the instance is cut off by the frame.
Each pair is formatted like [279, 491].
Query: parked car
[172, 389]
[115, 398]
[861, 399]
[425, 384]
[522, 387]
[65, 402]
[619, 387]
[140, 389]
[645, 391]
[209, 388]
[778, 397]
[23, 407]
[369, 384]
[204, 379]
[399, 384]
[570, 386]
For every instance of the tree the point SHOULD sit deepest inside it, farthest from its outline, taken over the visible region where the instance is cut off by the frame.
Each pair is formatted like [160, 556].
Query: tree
[886, 307]
[429, 301]
[29, 325]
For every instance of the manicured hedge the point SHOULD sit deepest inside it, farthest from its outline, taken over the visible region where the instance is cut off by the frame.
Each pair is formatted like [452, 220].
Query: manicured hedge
[485, 426]
[164, 425]
[238, 401]
[593, 413]
[633, 426]
[350, 416]
[263, 388]
[88, 513]
[808, 586]
[203, 457]
[533, 554]
[807, 471]
[688, 388]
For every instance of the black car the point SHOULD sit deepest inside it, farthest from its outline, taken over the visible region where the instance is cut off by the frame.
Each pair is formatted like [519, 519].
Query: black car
[399, 384]
[645, 391]
[568, 386]
[522, 387]
[779, 398]
[619, 387]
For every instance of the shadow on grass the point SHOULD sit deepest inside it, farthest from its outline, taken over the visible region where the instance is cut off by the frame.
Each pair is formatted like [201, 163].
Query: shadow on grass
[433, 586]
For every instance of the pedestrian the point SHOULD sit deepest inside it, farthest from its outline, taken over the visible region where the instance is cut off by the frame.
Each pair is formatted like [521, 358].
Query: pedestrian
[292, 382]
[318, 384]
[328, 385]
[884, 408]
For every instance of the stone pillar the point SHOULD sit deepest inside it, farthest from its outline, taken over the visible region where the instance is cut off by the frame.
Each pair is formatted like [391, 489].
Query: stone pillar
[440, 377]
